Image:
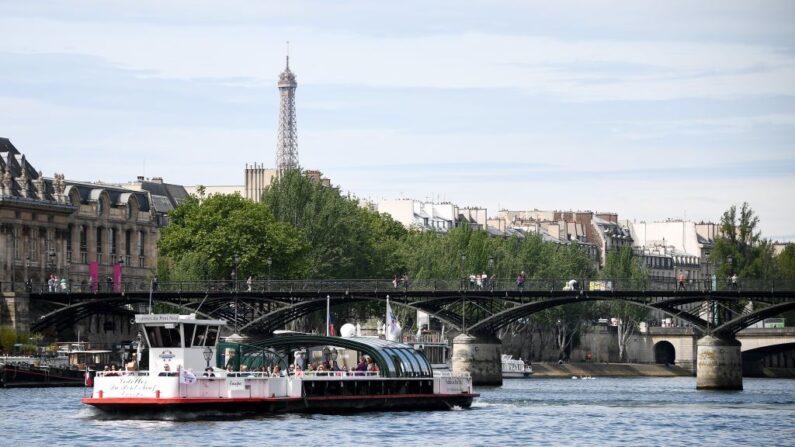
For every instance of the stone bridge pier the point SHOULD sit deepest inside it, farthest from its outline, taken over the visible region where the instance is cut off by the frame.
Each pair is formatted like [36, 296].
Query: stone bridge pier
[480, 355]
[719, 365]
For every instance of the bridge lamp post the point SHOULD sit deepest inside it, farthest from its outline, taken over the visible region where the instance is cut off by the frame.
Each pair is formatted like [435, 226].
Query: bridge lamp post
[235, 262]
[269, 261]
[491, 270]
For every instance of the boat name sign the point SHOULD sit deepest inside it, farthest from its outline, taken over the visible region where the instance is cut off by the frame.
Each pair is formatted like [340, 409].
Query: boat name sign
[132, 387]
[235, 383]
[157, 318]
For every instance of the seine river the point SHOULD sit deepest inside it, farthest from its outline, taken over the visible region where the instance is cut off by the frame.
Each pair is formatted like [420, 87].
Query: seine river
[600, 412]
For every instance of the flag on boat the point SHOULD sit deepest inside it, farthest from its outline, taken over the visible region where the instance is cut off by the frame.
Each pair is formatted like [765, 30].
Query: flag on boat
[392, 329]
[87, 378]
[187, 377]
[331, 330]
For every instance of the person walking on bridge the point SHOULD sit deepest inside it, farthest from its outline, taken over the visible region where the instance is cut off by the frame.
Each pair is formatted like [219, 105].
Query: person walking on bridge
[680, 281]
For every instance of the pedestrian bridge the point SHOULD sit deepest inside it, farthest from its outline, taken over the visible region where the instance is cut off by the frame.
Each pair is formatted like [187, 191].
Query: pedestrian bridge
[479, 310]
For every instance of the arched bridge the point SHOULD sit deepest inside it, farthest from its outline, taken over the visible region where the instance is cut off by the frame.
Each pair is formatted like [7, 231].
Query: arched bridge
[264, 306]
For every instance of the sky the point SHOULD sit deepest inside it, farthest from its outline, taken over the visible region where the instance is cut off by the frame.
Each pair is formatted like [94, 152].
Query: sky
[653, 110]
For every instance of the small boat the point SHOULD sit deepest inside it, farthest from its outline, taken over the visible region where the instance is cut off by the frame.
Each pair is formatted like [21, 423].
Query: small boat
[513, 368]
[190, 369]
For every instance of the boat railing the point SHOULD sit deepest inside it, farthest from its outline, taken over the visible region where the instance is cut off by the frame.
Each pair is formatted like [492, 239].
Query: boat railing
[125, 373]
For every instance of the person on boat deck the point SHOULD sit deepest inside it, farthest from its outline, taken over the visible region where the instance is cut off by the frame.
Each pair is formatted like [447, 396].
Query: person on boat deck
[298, 371]
[371, 366]
[335, 366]
[277, 371]
[362, 365]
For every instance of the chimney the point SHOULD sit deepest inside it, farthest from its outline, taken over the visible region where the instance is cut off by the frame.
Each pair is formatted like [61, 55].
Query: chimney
[140, 178]
[157, 180]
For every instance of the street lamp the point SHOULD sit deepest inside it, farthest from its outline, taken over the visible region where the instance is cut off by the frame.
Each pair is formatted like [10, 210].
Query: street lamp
[269, 261]
[208, 354]
[491, 270]
[235, 261]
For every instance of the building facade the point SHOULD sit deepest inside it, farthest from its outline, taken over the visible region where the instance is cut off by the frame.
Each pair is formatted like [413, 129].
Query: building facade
[91, 235]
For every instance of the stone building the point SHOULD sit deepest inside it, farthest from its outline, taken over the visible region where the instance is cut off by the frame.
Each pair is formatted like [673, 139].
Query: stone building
[83, 232]
[430, 216]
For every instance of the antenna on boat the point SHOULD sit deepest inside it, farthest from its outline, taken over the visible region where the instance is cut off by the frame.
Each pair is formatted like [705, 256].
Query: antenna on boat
[200, 304]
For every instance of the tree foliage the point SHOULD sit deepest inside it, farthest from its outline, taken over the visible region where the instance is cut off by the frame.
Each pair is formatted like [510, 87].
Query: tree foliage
[204, 237]
[623, 267]
[740, 249]
[345, 240]
[8, 337]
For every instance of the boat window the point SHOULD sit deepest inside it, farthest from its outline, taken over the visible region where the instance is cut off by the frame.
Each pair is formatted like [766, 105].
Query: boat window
[408, 365]
[398, 365]
[162, 337]
[188, 331]
[200, 336]
[212, 335]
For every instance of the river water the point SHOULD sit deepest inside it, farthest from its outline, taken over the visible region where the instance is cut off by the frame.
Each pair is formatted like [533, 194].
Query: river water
[600, 412]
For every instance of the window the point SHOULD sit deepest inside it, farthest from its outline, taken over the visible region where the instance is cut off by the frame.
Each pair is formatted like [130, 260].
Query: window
[187, 329]
[83, 237]
[33, 247]
[16, 242]
[163, 337]
[212, 335]
[112, 240]
[204, 336]
[127, 242]
[99, 206]
[141, 243]
[99, 240]
[68, 237]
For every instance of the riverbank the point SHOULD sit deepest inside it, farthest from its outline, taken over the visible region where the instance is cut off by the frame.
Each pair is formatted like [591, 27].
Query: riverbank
[567, 370]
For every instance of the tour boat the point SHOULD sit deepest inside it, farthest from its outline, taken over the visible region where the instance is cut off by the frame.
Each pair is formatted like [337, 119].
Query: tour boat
[512, 368]
[181, 349]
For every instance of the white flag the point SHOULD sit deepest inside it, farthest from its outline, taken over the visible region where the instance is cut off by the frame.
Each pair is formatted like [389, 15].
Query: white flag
[392, 330]
[187, 377]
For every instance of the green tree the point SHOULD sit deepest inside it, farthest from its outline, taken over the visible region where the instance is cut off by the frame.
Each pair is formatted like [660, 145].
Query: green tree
[203, 237]
[626, 271]
[345, 240]
[8, 337]
[786, 262]
[740, 249]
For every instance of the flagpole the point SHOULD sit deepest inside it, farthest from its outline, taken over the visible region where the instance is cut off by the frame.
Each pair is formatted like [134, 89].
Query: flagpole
[328, 312]
[386, 320]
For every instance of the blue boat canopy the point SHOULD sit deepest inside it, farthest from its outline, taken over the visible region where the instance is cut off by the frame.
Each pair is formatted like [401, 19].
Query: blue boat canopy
[393, 359]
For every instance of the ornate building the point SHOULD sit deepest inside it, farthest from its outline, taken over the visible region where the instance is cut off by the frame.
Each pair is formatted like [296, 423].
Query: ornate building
[92, 235]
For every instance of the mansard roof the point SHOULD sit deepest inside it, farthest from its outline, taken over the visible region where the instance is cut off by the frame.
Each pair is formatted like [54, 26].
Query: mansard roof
[91, 192]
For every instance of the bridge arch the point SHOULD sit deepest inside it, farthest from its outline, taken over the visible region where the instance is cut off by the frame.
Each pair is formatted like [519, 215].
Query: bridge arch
[664, 352]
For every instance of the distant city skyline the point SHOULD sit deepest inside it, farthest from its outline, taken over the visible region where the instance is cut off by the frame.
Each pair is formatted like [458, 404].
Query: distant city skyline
[651, 110]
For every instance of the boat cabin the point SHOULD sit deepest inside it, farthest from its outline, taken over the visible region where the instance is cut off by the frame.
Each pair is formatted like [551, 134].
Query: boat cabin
[179, 341]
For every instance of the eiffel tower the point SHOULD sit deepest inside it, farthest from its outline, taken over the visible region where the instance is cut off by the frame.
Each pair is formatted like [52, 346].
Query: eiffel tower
[287, 145]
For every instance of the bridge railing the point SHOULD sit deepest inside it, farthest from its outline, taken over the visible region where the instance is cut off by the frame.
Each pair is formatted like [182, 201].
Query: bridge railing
[400, 286]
